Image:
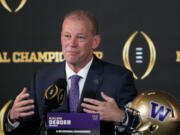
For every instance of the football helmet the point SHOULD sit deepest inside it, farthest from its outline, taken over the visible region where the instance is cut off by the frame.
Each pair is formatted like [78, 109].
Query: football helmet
[159, 114]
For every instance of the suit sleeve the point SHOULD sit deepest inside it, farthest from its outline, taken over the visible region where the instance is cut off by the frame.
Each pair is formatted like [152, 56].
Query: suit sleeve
[127, 91]
[28, 125]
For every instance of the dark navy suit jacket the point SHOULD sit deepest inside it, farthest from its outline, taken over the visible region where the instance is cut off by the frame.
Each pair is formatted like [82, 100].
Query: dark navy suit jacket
[115, 81]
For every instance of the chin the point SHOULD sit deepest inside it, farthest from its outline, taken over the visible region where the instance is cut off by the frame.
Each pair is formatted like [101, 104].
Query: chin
[72, 61]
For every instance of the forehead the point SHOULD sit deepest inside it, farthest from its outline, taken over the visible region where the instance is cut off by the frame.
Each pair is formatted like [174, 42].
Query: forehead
[77, 23]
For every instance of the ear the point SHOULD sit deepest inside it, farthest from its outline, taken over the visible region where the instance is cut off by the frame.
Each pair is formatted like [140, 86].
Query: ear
[61, 35]
[96, 42]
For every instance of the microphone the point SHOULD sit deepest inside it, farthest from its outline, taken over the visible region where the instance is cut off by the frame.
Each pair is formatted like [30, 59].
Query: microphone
[54, 97]
[55, 94]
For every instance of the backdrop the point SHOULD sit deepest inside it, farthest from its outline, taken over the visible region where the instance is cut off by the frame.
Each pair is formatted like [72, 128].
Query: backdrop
[140, 35]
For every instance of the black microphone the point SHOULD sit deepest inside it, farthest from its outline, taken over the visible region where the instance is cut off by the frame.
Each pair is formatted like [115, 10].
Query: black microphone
[55, 96]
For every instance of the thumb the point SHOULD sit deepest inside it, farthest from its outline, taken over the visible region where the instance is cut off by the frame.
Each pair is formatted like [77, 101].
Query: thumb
[105, 97]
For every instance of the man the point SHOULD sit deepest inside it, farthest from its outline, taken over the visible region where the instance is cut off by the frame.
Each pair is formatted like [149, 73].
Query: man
[103, 88]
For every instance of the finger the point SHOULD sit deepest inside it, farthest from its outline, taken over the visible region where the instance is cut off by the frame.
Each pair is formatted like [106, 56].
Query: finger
[89, 111]
[22, 95]
[92, 101]
[105, 97]
[25, 114]
[25, 103]
[26, 108]
[90, 107]
[24, 90]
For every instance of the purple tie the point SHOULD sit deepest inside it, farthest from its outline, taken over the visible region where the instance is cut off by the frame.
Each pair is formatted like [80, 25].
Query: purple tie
[74, 93]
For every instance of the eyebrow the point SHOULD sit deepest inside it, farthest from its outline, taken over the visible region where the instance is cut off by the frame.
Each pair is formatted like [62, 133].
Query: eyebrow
[86, 34]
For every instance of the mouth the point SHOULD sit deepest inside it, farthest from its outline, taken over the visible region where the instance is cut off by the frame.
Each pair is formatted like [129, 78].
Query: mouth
[72, 52]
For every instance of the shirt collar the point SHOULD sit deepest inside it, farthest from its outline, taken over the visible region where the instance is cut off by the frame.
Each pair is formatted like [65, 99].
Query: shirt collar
[83, 72]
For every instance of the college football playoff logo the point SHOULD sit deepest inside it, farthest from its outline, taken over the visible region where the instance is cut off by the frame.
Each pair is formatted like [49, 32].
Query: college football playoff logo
[6, 6]
[2, 115]
[140, 54]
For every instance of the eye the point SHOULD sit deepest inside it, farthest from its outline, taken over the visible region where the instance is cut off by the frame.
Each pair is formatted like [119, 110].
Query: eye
[67, 36]
[81, 37]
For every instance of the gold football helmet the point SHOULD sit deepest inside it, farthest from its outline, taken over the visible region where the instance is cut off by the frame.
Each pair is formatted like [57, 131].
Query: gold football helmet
[159, 113]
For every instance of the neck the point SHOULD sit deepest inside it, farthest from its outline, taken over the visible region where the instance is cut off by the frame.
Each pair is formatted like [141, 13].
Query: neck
[77, 67]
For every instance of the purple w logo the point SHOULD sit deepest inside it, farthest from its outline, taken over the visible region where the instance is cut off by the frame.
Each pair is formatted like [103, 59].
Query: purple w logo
[161, 111]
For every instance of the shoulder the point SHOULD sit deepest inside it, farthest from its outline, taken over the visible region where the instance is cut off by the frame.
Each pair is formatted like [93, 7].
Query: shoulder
[114, 70]
[52, 72]
[51, 68]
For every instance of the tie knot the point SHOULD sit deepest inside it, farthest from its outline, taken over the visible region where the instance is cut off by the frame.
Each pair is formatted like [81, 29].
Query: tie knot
[75, 78]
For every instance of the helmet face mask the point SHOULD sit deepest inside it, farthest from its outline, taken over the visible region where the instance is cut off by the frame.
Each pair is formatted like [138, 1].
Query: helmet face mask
[159, 113]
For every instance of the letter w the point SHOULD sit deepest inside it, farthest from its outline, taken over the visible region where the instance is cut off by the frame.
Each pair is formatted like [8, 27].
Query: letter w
[159, 112]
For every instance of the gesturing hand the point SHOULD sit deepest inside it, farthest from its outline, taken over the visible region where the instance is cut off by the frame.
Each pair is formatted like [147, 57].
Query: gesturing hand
[108, 109]
[20, 106]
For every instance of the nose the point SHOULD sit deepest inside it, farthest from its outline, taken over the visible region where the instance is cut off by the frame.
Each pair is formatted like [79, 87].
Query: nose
[73, 42]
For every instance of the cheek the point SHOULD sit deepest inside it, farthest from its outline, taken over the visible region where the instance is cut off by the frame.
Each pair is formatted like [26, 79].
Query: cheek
[86, 49]
[87, 45]
[63, 44]
[63, 41]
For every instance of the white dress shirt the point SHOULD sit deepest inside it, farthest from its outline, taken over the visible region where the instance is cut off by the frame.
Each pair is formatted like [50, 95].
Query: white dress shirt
[82, 73]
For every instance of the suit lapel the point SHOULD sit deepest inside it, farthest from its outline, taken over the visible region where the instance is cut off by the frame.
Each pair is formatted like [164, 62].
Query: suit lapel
[93, 81]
